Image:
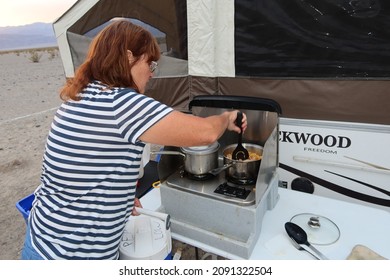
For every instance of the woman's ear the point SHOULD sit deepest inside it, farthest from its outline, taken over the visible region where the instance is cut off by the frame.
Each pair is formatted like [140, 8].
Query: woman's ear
[130, 56]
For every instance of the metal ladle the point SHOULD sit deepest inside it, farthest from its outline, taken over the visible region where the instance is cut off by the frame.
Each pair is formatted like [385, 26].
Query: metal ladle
[240, 153]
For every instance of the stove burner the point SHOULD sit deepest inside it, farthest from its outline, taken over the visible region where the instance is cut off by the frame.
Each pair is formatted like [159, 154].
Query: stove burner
[234, 191]
[201, 177]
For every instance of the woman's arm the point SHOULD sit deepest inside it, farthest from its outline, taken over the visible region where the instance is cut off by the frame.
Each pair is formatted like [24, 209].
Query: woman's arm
[184, 130]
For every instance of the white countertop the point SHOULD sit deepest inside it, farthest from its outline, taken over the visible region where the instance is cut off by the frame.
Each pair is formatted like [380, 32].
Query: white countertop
[358, 224]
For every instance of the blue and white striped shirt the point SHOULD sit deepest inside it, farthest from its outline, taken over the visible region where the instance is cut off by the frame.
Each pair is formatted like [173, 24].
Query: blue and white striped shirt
[89, 173]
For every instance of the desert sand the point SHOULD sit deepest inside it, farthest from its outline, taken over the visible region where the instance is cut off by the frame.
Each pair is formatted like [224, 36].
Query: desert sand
[29, 98]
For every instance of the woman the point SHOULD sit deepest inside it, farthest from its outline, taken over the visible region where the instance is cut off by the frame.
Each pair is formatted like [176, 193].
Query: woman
[94, 148]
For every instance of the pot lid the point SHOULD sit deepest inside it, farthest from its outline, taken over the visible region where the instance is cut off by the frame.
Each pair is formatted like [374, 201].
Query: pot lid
[145, 238]
[201, 149]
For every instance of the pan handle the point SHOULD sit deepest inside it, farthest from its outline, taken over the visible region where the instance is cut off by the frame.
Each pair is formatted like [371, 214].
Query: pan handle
[173, 153]
[218, 170]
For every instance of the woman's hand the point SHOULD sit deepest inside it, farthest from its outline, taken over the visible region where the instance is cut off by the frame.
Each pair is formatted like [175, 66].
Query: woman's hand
[232, 122]
[137, 203]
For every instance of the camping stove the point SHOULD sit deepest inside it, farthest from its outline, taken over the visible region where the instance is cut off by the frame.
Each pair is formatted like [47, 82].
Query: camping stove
[213, 187]
[214, 211]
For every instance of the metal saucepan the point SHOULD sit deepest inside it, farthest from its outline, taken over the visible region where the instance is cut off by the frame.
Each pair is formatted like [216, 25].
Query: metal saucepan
[242, 171]
[198, 160]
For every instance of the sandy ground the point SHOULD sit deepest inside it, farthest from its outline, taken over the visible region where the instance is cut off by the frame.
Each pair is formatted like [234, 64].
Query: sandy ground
[29, 98]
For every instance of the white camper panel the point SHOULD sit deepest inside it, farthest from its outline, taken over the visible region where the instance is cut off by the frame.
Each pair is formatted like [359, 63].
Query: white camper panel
[211, 38]
[61, 26]
[347, 161]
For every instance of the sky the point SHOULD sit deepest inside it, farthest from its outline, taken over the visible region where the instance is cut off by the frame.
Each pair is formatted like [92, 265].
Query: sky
[22, 12]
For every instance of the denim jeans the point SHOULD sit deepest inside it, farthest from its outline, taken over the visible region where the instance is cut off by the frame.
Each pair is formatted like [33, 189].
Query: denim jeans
[28, 252]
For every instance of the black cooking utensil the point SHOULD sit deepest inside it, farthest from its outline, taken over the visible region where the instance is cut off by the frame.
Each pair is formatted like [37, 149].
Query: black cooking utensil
[299, 235]
[240, 153]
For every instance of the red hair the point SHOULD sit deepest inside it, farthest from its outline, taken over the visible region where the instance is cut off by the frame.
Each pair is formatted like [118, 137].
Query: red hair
[107, 59]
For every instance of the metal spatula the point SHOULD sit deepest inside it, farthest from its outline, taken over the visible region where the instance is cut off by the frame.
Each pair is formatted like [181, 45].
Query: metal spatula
[240, 153]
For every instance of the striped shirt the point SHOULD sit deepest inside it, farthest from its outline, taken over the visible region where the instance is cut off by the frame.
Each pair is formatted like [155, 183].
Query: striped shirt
[89, 173]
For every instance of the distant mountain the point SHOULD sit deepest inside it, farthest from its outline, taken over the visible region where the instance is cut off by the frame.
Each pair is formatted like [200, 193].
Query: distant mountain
[39, 35]
[28, 36]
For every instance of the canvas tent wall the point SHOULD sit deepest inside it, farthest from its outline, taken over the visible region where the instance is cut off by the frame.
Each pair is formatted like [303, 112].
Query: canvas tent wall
[321, 60]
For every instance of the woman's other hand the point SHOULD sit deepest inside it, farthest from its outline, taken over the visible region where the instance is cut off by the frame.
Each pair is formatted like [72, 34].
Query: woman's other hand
[137, 203]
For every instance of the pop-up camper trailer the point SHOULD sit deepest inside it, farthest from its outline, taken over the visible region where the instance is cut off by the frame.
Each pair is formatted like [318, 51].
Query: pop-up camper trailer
[327, 64]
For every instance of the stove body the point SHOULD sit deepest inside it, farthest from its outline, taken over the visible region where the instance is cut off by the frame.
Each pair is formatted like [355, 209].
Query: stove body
[209, 209]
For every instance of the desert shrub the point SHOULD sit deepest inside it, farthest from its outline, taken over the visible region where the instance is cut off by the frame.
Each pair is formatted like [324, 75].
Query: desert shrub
[52, 53]
[35, 56]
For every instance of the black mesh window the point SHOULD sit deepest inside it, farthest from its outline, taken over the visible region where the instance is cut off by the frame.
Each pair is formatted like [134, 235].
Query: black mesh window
[312, 38]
